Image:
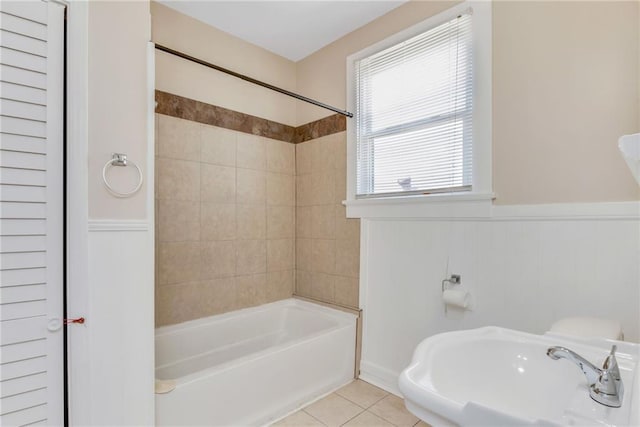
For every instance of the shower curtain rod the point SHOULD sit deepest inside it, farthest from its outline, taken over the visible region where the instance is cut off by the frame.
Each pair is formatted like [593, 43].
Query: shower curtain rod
[252, 80]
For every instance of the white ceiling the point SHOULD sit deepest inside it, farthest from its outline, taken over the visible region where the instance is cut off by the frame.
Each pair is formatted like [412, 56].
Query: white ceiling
[293, 29]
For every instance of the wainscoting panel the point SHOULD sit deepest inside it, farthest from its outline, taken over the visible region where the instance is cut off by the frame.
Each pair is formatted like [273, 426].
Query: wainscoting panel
[523, 273]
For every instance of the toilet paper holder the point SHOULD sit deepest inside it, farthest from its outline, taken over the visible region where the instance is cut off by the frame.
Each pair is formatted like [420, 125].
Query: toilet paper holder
[454, 279]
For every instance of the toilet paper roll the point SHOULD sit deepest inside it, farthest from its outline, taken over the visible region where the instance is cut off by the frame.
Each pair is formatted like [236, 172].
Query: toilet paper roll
[456, 298]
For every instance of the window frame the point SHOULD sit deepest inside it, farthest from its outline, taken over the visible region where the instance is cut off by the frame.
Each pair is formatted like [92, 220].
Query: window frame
[481, 189]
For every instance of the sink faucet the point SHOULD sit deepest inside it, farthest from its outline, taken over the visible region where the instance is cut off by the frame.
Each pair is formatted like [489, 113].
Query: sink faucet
[605, 385]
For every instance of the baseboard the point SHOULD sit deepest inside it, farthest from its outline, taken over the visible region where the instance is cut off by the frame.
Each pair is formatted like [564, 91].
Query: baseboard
[380, 377]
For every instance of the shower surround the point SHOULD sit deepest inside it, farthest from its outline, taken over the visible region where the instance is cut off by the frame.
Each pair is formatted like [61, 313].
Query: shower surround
[230, 189]
[327, 242]
[225, 220]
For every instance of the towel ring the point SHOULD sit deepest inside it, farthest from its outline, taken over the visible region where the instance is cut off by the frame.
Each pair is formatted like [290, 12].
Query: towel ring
[118, 159]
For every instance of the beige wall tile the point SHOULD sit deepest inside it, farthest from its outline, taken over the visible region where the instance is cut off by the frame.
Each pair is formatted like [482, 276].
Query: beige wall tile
[323, 219]
[323, 156]
[280, 157]
[280, 255]
[218, 295]
[251, 257]
[178, 179]
[178, 262]
[346, 291]
[156, 213]
[251, 290]
[304, 190]
[217, 145]
[303, 283]
[280, 189]
[323, 188]
[324, 255]
[339, 147]
[218, 184]
[218, 259]
[340, 186]
[252, 221]
[156, 129]
[218, 221]
[323, 286]
[177, 303]
[280, 285]
[252, 186]
[346, 228]
[197, 201]
[178, 138]
[304, 254]
[280, 222]
[162, 306]
[216, 193]
[304, 224]
[177, 221]
[348, 258]
[304, 157]
[251, 151]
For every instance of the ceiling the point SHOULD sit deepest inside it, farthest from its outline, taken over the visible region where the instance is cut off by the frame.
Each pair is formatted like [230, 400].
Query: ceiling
[292, 29]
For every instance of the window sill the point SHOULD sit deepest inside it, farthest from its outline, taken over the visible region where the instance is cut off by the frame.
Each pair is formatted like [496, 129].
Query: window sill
[448, 205]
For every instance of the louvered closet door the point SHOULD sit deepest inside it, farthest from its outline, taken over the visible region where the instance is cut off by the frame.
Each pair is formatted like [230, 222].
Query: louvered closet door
[31, 215]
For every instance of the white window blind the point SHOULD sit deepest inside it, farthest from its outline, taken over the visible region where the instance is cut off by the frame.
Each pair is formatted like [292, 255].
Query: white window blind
[414, 114]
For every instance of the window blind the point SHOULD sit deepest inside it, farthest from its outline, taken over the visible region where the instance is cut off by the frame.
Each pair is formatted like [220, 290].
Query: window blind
[414, 114]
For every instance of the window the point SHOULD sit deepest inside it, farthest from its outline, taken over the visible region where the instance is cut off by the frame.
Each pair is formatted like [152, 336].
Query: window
[414, 113]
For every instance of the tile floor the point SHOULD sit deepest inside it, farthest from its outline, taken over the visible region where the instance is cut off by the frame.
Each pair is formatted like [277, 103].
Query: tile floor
[356, 404]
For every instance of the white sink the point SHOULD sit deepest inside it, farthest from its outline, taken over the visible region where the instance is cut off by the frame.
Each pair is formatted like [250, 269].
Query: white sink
[498, 377]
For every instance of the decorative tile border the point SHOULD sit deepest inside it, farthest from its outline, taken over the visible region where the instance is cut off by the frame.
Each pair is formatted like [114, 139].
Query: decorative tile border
[190, 109]
[323, 127]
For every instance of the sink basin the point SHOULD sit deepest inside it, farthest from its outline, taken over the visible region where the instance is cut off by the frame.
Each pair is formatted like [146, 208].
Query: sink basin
[495, 376]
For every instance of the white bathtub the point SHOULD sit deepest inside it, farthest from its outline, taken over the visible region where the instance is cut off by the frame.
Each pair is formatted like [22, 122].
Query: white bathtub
[252, 366]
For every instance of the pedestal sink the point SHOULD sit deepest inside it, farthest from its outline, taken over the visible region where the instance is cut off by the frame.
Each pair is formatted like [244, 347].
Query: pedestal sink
[499, 377]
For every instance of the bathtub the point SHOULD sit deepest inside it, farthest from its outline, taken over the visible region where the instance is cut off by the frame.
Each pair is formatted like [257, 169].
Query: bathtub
[252, 366]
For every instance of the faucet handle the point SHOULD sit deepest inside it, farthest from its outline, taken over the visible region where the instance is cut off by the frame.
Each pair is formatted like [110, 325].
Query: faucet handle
[611, 364]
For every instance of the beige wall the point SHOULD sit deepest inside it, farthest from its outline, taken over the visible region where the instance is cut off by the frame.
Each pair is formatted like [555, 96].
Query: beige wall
[117, 103]
[224, 220]
[565, 85]
[565, 88]
[184, 78]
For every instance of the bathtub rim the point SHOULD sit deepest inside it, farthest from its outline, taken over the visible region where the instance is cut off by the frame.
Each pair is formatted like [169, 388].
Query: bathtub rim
[344, 319]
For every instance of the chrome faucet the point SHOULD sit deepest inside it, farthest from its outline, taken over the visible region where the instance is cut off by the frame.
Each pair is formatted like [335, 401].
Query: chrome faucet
[605, 385]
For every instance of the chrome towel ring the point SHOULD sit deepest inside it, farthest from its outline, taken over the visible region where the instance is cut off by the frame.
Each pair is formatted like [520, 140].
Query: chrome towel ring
[119, 159]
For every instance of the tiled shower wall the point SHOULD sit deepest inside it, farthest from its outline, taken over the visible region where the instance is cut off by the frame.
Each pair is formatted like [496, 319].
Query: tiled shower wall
[225, 220]
[327, 243]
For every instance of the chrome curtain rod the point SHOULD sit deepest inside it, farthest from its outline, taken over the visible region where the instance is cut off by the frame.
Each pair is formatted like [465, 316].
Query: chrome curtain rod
[252, 80]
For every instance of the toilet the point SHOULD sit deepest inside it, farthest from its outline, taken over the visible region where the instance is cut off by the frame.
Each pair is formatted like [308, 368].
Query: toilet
[588, 327]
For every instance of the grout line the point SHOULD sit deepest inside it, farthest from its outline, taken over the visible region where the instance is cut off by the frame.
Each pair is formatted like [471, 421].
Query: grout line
[303, 410]
[355, 416]
[366, 408]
